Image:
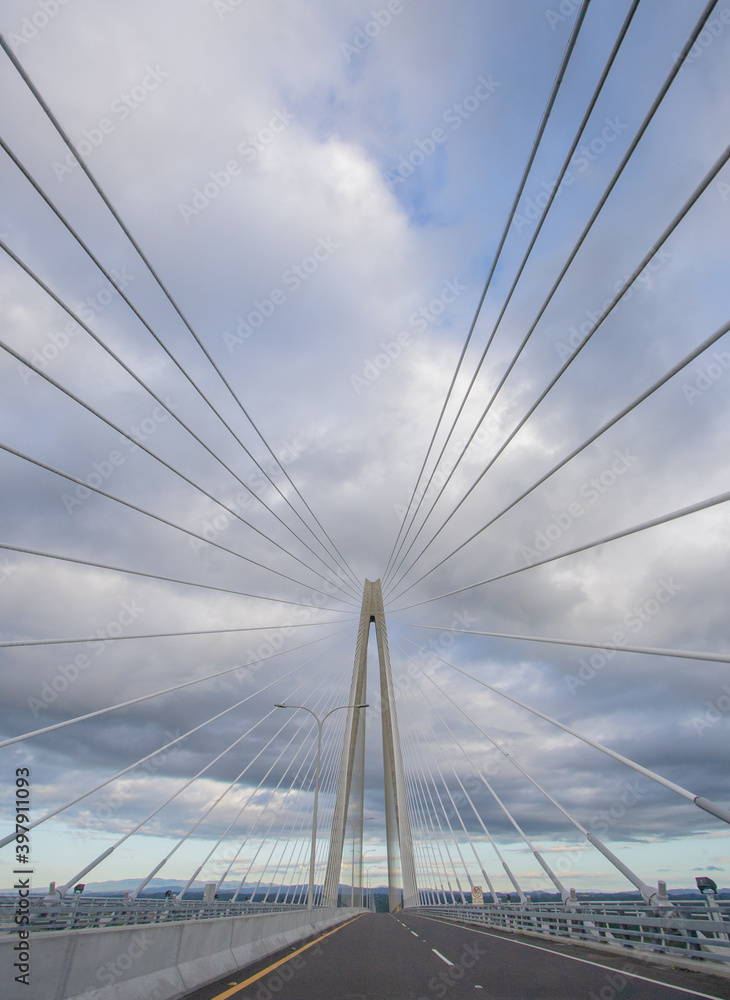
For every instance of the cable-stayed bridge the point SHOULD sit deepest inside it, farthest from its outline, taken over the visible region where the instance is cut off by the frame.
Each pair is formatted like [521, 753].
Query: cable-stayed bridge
[304, 621]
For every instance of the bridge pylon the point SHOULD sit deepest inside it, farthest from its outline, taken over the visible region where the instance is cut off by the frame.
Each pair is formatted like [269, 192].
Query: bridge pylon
[350, 785]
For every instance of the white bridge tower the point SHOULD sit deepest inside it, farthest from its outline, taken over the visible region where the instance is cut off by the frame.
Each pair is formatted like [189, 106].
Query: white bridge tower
[350, 785]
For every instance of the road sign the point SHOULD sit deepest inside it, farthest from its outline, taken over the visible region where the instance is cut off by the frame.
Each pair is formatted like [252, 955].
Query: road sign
[476, 895]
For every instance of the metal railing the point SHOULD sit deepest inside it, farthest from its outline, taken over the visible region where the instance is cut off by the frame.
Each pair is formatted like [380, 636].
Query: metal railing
[698, 929]
[81, 912]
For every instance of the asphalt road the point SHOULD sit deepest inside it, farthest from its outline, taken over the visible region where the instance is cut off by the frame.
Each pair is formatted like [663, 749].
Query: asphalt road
[405, 957]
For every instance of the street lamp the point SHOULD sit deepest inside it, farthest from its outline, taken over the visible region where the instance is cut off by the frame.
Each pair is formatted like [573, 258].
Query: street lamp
[320, 723]
[352, 892]
[371, 897]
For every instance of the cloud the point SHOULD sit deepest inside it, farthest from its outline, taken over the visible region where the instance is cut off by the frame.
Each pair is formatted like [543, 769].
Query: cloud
[333, 290]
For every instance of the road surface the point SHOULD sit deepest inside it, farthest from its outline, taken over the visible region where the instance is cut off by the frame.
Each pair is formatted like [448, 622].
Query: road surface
[402, 956]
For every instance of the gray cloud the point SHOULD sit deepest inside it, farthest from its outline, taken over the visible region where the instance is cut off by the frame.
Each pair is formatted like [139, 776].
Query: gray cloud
[310, 251]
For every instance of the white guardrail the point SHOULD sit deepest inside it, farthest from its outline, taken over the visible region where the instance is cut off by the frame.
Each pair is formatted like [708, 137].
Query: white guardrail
[82, 912]
[699, 929]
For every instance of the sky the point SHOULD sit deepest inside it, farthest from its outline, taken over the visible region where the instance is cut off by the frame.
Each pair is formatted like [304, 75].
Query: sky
[320, 193]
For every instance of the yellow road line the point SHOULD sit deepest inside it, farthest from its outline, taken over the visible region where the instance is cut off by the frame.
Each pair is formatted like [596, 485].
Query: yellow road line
[282, 961]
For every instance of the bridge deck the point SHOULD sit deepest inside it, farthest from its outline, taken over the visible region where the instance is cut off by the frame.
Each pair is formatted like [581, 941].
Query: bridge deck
[407, 957]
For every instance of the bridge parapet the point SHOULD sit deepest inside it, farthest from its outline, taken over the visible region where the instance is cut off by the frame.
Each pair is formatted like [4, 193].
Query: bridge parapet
[690, 929]
[112, 911]
[161, 960]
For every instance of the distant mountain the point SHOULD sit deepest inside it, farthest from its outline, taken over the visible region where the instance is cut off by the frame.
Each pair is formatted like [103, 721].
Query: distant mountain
[158, 886]
[551, 897]
[537, 896]
[155, 885]
[127, 884]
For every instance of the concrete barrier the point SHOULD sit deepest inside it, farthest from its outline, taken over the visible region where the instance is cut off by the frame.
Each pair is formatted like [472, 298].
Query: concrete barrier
[153, 961]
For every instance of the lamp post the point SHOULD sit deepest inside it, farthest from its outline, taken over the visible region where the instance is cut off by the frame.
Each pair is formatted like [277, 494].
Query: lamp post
[320, 723]
[371, 898]
[352, 824]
